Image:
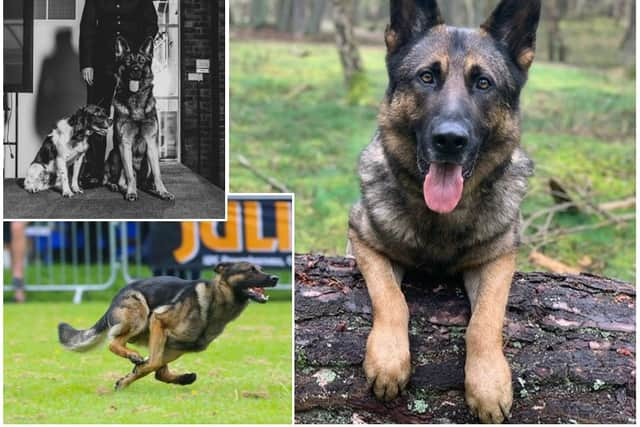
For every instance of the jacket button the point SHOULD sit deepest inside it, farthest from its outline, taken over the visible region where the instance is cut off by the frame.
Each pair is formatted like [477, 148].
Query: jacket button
[118, 6]
[117, 33]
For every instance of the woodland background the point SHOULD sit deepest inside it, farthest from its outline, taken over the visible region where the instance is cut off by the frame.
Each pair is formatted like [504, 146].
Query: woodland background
[307, 77]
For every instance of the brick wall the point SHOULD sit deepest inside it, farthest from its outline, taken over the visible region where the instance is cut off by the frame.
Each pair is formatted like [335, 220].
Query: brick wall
[203, 38]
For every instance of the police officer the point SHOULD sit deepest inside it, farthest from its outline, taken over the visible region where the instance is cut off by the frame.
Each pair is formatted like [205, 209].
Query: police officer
[102, 21]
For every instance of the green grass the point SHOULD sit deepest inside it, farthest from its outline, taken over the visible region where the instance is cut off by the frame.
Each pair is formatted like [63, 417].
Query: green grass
[44, 383]
[291, 119]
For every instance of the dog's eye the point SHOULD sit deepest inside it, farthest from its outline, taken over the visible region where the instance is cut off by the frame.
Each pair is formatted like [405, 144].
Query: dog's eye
[427, 77]
[483, 83]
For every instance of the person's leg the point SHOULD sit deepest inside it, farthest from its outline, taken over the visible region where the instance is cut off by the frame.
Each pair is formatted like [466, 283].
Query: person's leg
[101, 94]
[18, 250]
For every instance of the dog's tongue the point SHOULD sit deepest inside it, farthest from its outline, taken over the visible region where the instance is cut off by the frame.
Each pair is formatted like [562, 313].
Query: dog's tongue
[443, 187]
[134, 85]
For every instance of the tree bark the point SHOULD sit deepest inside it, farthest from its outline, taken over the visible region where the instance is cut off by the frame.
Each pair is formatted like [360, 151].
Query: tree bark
[346, 42]
[314, 23]
[570, 341]
[629, 42]
[259, 11]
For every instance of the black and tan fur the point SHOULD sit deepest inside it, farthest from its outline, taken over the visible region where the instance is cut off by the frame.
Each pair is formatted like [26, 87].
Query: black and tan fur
[135, 124]
[171, 317]
[451, 108]
[66, 145]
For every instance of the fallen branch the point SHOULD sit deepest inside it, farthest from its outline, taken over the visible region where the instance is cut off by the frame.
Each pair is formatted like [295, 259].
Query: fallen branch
[570, 341]
[554, 234]
[269, 180]
[553, 265]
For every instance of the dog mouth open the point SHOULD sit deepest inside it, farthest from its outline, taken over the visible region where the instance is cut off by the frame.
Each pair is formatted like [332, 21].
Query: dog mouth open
[442, 187]
[255, 291]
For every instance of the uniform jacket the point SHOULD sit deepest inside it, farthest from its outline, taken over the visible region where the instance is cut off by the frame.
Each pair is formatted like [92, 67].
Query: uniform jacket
[104, 20]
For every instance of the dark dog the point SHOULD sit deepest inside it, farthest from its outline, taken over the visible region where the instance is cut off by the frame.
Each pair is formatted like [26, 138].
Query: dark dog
[136, 121]
[66, 145]
[172, 317]
[442, 183]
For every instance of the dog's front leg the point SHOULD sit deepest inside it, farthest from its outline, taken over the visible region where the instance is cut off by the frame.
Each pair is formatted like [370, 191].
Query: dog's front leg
[387, 362]
[77, 164]
[157, 341]
[487, 374]
[126, 153]
[153, 155]
[61, 166]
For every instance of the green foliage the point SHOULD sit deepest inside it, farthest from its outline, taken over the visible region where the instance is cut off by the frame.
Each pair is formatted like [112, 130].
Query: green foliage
[578, 126]
[243, 377]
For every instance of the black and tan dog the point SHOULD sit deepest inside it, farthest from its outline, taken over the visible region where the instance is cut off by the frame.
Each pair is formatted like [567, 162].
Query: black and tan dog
[135, 133]
[66, 145]
[442, 183]
[172, 317]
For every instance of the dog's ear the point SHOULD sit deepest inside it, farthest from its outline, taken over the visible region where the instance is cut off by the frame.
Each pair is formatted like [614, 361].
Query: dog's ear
[514, 23]
[122, 47]
[410, 19]
[220, 268]
[147, 47]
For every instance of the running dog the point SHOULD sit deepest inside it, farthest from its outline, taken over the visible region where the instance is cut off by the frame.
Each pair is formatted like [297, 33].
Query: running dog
[171, 317]
[136, 122]
[441, 186]
[66, 145]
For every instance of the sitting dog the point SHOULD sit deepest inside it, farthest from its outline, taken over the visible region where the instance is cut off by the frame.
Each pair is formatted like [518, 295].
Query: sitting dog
[171, 317]
[66, 145]
[136, 120]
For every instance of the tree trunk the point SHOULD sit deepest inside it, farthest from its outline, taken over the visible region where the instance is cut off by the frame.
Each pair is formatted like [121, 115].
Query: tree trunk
[629, 42]
[347, 48]
[284, 14]
[259, 11]
[314, 23]
[570, 341]
[298, 15]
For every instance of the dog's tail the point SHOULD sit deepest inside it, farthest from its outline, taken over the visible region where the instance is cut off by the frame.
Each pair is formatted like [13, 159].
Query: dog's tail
[82, 340]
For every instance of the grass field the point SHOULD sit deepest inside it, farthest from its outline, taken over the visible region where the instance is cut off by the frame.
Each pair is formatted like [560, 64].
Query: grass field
[243, 377]
[289, 118]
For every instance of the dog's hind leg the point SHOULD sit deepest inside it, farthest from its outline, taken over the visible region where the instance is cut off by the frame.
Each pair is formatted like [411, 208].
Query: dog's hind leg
[157, 341]
[165, 375]
[129, 316]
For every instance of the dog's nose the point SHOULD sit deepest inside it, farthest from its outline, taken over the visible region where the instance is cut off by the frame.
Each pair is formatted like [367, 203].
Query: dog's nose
[273, 279]
[450, 136]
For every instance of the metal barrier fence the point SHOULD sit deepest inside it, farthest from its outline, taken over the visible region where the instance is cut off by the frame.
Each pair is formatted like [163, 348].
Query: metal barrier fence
[87, 256]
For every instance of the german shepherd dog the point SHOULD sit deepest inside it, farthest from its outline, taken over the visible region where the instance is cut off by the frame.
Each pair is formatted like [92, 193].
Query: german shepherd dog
[172, 317]
[441, 186]
[66, 145]
[136, 124]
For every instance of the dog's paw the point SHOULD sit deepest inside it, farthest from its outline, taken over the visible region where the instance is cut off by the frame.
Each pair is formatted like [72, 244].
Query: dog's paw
[77, 190]
[121, 383]
[113, 187]
[387, 363]
[165, 195]
[488, 387]
[132, 197]
[67, 193]
[186, 379]
[137, 360]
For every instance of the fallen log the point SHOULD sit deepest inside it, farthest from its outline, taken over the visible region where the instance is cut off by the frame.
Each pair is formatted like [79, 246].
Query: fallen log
[570, 341]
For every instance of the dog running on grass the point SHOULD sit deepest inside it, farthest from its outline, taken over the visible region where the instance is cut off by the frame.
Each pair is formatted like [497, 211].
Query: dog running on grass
[441, 186]
[66, 145]
[171, 317]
